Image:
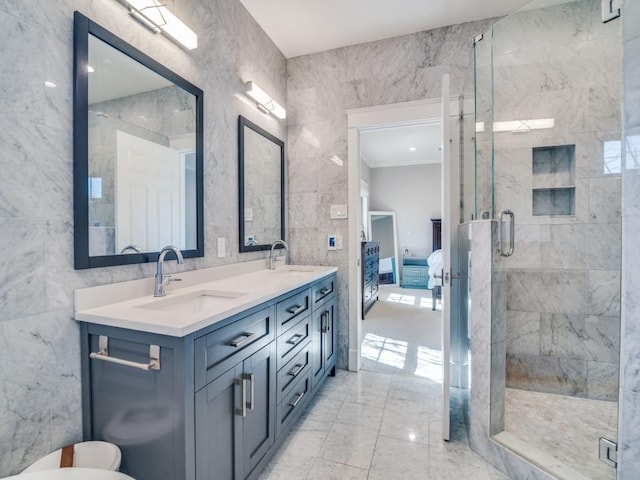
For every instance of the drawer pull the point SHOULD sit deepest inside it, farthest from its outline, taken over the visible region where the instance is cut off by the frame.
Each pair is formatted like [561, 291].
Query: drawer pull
[242, 339]
[295, 339]
[296, 309]
[297, 400]
[103, 354]
[296, 371]
[325, 290]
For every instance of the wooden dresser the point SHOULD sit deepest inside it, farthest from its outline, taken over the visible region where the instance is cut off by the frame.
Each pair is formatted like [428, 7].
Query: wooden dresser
[370, 255]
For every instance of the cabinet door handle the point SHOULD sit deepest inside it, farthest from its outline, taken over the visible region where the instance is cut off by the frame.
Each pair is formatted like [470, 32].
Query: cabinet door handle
[252, 394]
[243, 403]
[324, 291]
[242, 339]
[295, 339]
[296, 309]
[297, 400]
[296, 371]
[325, 321]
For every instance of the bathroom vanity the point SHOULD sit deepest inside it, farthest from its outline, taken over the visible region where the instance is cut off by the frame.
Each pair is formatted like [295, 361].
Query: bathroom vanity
[206, 382]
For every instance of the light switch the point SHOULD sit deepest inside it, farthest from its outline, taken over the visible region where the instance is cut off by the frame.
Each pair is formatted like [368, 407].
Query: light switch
[221, 247]
[332, 242]
[338, 211]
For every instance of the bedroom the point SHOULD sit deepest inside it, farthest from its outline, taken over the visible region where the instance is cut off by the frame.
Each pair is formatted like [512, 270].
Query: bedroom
[401, 208]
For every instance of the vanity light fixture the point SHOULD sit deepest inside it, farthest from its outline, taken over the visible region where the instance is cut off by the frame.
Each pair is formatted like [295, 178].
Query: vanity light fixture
[412, 149]
[157, 17]
[264, 101]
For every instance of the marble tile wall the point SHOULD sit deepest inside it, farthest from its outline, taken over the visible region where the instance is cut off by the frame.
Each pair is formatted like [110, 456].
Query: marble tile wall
[39, 351]
[320, 88]
[563, 282]
[629, 411]
[487, 330]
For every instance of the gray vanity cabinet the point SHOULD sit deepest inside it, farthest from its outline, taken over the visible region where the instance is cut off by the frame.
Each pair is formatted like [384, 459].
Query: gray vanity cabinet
[221, 400]
[235, 418]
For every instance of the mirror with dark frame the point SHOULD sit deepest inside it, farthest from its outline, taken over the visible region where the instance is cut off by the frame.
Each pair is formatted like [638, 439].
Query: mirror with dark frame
[261, 187]
[138, 154]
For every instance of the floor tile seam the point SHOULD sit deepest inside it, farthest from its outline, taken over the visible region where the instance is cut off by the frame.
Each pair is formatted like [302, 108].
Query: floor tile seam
[311, 468]
[375, 447]
[331, 426]
[337, 463]
[428, 459]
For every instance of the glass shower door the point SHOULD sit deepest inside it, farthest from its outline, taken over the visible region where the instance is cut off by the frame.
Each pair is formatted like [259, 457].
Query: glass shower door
[555, 127]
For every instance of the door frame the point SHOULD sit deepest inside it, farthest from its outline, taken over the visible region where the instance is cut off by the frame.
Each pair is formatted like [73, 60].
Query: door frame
[419, 111]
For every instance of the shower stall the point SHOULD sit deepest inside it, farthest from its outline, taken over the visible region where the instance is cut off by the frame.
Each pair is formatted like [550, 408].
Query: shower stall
[548, 95]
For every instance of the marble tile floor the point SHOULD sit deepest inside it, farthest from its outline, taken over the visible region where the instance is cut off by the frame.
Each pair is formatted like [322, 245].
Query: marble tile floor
[567, 428]
[401, 334]
[373, 425]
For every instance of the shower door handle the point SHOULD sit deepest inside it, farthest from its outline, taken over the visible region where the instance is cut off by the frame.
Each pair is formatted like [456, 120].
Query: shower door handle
[512, 236]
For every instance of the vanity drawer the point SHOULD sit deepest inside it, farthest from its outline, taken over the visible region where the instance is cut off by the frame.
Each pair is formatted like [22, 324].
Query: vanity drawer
[291, 309]
[298, 367]
[293, 403]
[324, 289]
[220, 350]
[293, 340]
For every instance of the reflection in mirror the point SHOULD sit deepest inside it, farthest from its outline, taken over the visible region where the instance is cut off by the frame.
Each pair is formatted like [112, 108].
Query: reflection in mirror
[143, 155]
[261, 173]
[383, 228]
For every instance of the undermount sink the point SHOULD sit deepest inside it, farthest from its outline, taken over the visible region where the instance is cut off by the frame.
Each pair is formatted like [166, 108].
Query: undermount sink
[199, 301]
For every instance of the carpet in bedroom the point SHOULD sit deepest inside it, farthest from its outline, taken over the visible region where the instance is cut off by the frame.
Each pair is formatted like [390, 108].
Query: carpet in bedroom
[401, 334]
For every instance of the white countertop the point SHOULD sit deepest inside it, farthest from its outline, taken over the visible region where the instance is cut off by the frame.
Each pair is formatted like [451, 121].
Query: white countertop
[174, 315]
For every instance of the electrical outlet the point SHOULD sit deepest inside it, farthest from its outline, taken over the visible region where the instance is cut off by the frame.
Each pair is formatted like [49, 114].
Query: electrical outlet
[339, 242]
[221, 247]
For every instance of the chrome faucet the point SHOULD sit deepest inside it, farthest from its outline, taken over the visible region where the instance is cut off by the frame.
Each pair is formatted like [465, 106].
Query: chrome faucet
[272, 253]
[160, 278]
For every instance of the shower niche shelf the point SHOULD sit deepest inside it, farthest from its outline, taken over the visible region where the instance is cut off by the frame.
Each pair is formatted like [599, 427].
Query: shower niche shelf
[554, 190]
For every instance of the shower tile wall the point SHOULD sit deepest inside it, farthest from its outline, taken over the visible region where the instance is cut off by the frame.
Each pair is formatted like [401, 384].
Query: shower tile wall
[321, 87]
[563, 282]
[629, 420]
[39, 347]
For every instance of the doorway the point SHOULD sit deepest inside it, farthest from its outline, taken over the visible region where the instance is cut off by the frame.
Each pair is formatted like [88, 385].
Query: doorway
[361, 120]
[401, 328]
[410, 113]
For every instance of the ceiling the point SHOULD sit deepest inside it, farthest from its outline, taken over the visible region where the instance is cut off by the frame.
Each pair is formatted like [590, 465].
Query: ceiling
[300, 27]
[115, 75]
[389, 147]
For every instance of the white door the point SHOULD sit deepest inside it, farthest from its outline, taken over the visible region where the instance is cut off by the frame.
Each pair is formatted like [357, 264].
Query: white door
[148, 194]
[447, 217]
